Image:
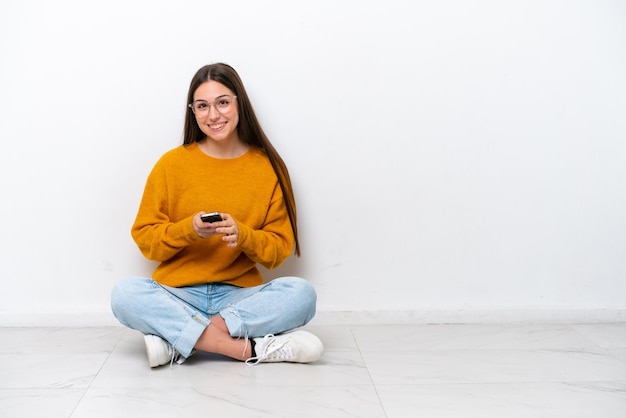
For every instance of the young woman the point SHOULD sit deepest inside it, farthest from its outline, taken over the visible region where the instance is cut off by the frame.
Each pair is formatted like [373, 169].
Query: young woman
[207, 293]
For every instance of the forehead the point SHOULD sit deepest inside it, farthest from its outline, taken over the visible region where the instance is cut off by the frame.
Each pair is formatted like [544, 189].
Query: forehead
[210, 90]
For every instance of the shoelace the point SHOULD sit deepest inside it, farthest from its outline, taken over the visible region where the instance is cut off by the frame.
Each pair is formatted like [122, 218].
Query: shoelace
[271, 351]
[175, 357]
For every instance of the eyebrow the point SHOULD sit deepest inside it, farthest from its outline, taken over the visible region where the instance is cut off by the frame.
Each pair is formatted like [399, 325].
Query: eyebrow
[205, 100]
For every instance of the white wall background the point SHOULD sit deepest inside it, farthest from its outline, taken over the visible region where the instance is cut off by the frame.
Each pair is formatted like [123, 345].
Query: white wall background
[452, 160]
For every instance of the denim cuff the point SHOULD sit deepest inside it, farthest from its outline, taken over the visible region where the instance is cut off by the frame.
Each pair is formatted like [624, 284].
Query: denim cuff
[233, 322]
[189, 335]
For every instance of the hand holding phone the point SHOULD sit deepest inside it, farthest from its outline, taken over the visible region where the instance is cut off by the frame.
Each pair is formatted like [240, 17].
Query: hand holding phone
[211, 217]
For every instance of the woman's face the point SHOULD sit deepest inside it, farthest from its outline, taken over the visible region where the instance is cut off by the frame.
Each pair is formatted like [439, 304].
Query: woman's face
[216, 111]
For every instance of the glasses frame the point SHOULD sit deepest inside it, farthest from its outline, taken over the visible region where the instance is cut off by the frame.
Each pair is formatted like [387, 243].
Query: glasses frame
[191, 105]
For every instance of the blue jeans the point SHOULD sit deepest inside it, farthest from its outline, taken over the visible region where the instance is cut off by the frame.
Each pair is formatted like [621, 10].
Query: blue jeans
[180, 315]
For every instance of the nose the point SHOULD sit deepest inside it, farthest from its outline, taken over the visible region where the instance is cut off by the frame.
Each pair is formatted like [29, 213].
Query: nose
[213, 112]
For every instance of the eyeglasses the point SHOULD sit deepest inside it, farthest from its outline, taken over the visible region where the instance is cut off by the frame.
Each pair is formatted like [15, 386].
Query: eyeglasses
[222, 105]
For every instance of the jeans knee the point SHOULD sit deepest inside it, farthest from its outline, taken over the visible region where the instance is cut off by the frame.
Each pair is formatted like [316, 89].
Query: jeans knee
[123, 296]
[118, 295]
[302, 294]
[120, 292]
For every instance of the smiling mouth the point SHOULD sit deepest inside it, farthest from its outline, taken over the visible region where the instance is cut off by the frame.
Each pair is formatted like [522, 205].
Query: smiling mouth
[217, 126]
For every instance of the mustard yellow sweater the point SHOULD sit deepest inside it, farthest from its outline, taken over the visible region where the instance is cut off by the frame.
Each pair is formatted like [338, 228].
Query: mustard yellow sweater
[186, 181]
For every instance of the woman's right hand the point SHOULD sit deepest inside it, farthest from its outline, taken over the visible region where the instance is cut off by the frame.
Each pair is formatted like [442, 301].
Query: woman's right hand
[204, 229]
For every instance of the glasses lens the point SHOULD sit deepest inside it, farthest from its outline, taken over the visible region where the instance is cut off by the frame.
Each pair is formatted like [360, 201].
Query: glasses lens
[222, 105]
[200, 107]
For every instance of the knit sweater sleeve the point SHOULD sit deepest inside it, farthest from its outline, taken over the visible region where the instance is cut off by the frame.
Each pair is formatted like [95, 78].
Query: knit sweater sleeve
[274, 242]
[157, 237]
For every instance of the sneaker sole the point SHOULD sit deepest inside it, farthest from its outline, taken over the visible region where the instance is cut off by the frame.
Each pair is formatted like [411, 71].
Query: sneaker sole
[157, 356]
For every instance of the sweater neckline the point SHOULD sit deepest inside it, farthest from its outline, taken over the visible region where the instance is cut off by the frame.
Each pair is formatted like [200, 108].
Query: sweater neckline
[198, 150]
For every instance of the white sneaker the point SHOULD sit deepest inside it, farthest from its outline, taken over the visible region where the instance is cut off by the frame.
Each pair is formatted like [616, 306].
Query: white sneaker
[293, 347]
[160, 352]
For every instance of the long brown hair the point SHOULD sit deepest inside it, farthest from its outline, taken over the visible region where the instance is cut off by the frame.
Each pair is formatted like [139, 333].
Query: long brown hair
[249, 129]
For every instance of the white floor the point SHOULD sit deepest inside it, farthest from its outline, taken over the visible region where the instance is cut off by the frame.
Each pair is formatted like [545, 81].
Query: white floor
[368, 371]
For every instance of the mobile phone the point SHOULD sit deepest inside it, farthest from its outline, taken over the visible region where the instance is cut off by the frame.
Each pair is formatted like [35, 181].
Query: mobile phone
[211, 217]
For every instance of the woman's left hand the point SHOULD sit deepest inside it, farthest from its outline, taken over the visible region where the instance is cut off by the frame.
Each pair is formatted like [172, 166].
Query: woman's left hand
[230, 229]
